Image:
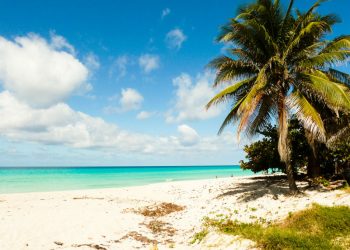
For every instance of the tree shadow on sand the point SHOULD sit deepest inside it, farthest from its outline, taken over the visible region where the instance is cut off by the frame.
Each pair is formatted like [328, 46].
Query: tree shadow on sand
[259, 187]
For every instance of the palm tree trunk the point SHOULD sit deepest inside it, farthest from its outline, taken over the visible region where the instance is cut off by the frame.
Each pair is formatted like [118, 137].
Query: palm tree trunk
[283, 144]
[313, 166]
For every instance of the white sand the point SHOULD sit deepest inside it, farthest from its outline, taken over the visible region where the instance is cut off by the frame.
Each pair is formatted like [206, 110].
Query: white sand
[102, 217]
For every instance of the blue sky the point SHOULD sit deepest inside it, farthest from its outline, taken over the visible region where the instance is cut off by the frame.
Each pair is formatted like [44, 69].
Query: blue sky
[115, 82]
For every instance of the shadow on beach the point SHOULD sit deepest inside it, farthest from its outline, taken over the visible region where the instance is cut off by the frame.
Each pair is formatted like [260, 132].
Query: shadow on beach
[259, 187]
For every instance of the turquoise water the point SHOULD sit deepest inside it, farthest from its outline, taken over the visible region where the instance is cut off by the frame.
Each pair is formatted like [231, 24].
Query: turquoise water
[15, 180]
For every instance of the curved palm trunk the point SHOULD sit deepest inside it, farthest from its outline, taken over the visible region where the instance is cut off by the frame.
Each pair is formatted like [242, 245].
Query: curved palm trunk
[283, 143]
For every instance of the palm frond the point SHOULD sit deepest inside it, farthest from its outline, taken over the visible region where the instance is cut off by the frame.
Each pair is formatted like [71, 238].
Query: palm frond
[326, 59]
[339, 76]
[334, 94]
[307, 115]
[309, 29]
[339, 43]
[247, 109]
[228, 92]
[339, 136]
[229, 69]
[231, 117]
[261, 117]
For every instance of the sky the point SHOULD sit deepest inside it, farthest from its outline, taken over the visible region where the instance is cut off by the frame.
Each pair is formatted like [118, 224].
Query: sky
[116, 83]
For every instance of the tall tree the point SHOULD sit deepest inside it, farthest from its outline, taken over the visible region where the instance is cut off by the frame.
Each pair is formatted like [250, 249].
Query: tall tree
[279, 62]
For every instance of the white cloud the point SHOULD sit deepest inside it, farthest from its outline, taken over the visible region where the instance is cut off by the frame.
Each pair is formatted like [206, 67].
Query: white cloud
[37, 72]
[191, 98]
[60, 43]
[175, 38]
[60, 124]
[188, 136]
[149, 62]
[143, 115]
[165, 12]
[120, 65]
[37, 76]
[91, 61]
[130, 99]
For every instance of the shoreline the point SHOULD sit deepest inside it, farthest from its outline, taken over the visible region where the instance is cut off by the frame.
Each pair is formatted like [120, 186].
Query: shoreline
[110, 218]
[137, 185]
[62, 179]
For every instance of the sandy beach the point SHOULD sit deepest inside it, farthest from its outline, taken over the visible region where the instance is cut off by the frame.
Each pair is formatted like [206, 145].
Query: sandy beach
[113, 219]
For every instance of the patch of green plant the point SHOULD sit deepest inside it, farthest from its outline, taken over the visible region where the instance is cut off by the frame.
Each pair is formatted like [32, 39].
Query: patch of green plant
[198, 237]
[318, 227]
[321, 180]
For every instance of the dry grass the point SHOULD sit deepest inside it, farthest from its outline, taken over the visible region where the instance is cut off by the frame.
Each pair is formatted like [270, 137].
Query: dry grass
[343, 242]
[157, 227]
[138, 237]
[160, 227]
[161, 209]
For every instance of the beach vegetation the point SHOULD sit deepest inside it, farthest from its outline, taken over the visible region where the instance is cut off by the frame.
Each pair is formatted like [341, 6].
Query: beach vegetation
[327, 163]
[198, 237]
[318, 227]
[278, 63]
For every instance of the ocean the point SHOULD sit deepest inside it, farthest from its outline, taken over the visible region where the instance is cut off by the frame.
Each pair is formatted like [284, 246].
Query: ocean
[42, 179]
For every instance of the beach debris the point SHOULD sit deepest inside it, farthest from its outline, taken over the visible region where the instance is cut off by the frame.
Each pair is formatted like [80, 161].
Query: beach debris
[87, 198]
[157, 227]
[160, 227]
[138, 237]
[161, 209]
[337, 184]
[58, 243]
[94, 246]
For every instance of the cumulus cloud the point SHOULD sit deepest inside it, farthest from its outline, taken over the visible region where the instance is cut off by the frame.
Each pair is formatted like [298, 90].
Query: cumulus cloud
[175, 38]
[38, 72]
[149, 62]
[165, 12]
[191, 97]
[188, 136]
[60, 124]
[130, 99]
[143, 115]
[38, 75]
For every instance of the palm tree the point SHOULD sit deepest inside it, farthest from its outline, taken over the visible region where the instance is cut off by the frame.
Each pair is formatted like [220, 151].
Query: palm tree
[279, 63]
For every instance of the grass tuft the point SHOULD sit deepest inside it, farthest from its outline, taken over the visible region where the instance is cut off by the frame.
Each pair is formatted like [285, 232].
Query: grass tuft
[198, 237]
[318, 227]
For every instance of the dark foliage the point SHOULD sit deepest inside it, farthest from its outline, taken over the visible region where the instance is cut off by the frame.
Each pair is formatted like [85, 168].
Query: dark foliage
[262, 155]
